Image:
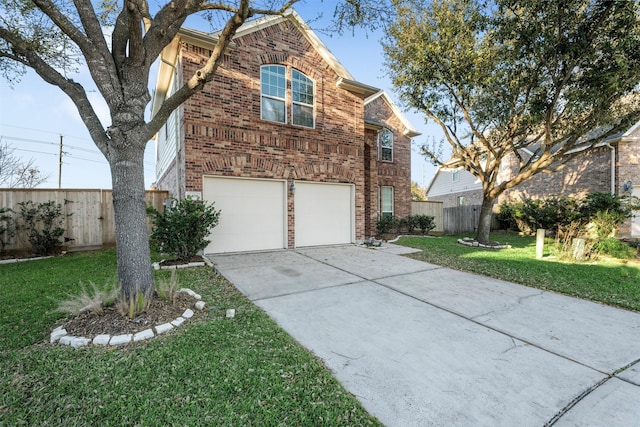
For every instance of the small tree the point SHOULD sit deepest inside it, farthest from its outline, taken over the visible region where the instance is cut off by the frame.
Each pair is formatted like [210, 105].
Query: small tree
[14, 173]
[181, 230]
[44, 224]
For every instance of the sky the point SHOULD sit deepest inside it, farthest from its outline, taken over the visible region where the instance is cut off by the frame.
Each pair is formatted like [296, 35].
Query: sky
[35, 116]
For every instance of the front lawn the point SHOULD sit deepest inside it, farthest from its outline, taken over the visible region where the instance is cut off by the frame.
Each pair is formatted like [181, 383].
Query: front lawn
[216, 371]
[610, 282]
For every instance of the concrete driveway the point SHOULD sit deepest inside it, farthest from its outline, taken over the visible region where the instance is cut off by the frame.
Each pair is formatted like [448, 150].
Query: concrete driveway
[422, 345]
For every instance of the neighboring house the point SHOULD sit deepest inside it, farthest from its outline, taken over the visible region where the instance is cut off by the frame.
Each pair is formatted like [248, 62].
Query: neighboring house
[613, 165]
[284, 141]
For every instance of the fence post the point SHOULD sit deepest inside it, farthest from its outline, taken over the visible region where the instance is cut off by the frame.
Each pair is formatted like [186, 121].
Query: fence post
[540, 243]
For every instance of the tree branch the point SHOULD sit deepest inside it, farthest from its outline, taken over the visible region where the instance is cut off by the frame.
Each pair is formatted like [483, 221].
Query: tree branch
[74, 90]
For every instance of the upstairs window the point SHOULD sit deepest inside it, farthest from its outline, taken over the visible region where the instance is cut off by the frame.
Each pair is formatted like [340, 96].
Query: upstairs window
[273, 87]
[274, 96]
[302, 97]
[386, 145]
[455, 177]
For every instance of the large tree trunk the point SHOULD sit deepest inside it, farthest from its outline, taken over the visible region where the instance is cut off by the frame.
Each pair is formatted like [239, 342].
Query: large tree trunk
[132, 239]
[484, 222]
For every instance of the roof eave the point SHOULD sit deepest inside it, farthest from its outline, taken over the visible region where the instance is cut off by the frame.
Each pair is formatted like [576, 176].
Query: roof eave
[356, 87]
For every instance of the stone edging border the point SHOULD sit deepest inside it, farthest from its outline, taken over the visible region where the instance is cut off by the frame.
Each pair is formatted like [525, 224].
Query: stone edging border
[14, 260]
[467, 241]
[59, 334]
[158, 266]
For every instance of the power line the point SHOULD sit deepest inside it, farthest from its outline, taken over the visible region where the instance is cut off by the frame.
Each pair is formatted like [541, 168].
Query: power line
[102, 160]
[39, 141]
[45, 131]
[34, 151]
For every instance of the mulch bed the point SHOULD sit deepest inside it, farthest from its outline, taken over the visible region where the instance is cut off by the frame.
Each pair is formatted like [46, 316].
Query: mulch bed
[111, 322]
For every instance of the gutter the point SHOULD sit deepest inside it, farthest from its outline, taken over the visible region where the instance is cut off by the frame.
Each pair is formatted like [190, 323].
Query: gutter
[613, 167]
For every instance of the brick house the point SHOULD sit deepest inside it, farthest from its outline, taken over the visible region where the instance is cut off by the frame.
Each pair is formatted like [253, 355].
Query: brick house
[612, 165]
[292, 149]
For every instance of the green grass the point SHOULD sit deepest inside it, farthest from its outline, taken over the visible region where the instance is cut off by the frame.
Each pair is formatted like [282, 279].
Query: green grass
[215, 371]
[608, 282]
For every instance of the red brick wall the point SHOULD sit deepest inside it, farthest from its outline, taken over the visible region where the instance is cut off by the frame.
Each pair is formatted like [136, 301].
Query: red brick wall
[396, 174]
[224, 134]
[589, 172]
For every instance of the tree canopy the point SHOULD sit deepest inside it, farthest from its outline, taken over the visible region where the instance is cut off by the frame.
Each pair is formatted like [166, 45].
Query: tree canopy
[505, 75]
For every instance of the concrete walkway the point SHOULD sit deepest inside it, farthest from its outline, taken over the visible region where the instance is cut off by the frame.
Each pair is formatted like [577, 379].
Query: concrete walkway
[422, 345]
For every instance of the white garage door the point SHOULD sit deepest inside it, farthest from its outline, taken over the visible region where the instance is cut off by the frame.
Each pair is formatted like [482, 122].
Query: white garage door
[324, 213]
[253, 214]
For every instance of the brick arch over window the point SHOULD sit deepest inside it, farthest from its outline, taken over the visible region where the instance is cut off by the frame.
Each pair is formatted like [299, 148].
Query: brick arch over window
[274, 58]
[291, 61]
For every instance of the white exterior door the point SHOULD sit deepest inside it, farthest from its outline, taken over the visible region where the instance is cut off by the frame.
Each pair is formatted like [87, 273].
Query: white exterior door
[254, 214]
[324, 213]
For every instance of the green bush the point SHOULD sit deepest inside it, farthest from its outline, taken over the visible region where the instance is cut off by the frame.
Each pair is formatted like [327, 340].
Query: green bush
[386, 223]
[43, 223]
[549, 214]
[181, 230]
[7, 228]
[506, 216]
[412, 223]
[605, 212]
[425, 223]
[614, 248]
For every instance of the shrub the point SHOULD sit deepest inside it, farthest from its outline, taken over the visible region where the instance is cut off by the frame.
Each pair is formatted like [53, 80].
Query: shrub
[425, 223]
[43, 223]
[386, 223]
[506, 216]
[605, 212]
[181, 230]
[412, 223]
[549, 214]
[93, 300]
[615, 248]
[7, 228]
[168, 290]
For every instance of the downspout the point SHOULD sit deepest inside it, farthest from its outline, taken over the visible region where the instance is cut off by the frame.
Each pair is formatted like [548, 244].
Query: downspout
[613, 168]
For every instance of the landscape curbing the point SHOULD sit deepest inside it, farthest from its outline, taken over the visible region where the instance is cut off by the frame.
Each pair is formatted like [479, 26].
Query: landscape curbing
[59, 334]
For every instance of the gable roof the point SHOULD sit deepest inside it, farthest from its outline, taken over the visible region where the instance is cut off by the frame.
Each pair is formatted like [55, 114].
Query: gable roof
[208, 40]
[409, 130]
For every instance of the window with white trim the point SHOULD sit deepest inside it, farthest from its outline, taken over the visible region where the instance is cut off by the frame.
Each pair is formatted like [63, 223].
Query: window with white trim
[273, 94]
[386, 201]
[302, 99]
[385, 142]
[455, 177]
[273, 86]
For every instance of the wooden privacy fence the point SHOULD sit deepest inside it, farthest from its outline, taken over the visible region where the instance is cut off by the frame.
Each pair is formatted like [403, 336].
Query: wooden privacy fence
[455, 220]
[91, 221]
[433, 209]
[461, 219]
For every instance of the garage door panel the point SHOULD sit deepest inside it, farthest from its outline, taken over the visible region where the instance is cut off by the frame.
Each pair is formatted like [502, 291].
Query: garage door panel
[253, 214]
[323, 214]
